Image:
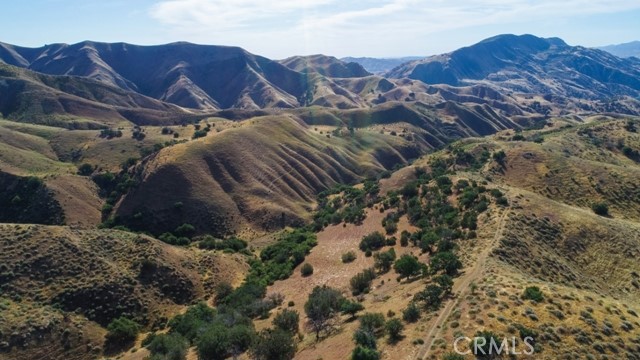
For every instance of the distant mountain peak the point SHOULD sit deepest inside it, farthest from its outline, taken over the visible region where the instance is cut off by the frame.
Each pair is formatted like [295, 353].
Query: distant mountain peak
[531, 65]
[325, 65]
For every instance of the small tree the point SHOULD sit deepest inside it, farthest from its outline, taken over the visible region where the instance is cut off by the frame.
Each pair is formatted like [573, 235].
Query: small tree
[411, 314]
[240, 339]
[287, 320]
[447, 262]
[431, 296]
[394, 328]
[186, 230]
[168, 346]
[600, 208]
[321, 307]
[445, 282]
[361, 282]
[351, 308]
[306, 270]
[364, 353]
[500, 157]
[222, 290]
[533, 293]
[407, 266]
[214, 343]
[122, 331]
[365, 337]
[384, 260]
[373, 241]
[85, 169]
[372, 321]
[274, 344]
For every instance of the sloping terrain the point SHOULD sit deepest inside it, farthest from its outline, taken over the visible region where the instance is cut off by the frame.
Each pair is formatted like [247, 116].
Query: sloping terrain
[57, 278]
[584, 263]
[178, 73]
[529, 65]
[265, 173]
[77, 102]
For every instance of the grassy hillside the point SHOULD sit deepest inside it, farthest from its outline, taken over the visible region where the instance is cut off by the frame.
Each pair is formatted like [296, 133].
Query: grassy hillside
[60, 285]
[76, 102]
[263, 173]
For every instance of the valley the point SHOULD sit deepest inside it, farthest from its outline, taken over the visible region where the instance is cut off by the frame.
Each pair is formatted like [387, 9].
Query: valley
[198, 197]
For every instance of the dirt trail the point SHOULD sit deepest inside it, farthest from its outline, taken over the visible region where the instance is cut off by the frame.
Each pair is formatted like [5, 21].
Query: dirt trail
[461, 288]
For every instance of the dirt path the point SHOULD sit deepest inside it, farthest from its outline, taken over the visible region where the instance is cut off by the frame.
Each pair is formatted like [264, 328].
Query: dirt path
[461, 288]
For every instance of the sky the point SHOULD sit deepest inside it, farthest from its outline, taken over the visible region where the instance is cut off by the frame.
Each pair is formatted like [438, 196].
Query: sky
[279, 29]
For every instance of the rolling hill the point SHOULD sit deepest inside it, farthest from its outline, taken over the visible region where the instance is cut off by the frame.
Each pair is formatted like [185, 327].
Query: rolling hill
[150, 182]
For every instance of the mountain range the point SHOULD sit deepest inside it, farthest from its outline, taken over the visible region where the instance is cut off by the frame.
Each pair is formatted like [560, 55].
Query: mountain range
[624, 50]
[200, 78]
[139, 181]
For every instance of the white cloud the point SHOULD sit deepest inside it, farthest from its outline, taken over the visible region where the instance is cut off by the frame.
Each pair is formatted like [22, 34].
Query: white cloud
[338, 27]
[226, 15]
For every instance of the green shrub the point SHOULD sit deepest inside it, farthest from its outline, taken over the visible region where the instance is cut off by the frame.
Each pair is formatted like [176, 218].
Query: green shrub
[411, 314]
[193, 320]
[287, 320]
[361, 282]
[407, 266]
[533, 293]
[372, 321]
[170, 346]
[485, 349]
[274, 345]
[85, 169]
[348, 257]
[186, 230]
[323, 304]
[365, 337]
[306, 269]
[394, 328]
[351, 308]
[373, 241]
[122, 331]
[600, 208]
[445, 261]
[453, 356]
[364, 353]
[214, 343]
[278, 260]
[384, 260]
[431, 296]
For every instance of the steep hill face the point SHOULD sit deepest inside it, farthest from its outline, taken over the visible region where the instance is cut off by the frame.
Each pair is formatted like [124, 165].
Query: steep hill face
[531, 65]
[194, 76]
[325, 65]
[265, 172]
[77, 102]
[61, 285]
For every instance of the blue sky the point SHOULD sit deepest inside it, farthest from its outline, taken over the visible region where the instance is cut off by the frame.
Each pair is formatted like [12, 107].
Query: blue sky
[278, 29]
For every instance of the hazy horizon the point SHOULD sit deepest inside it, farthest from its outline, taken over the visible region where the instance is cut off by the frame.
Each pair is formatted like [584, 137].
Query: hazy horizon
[372, 28]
